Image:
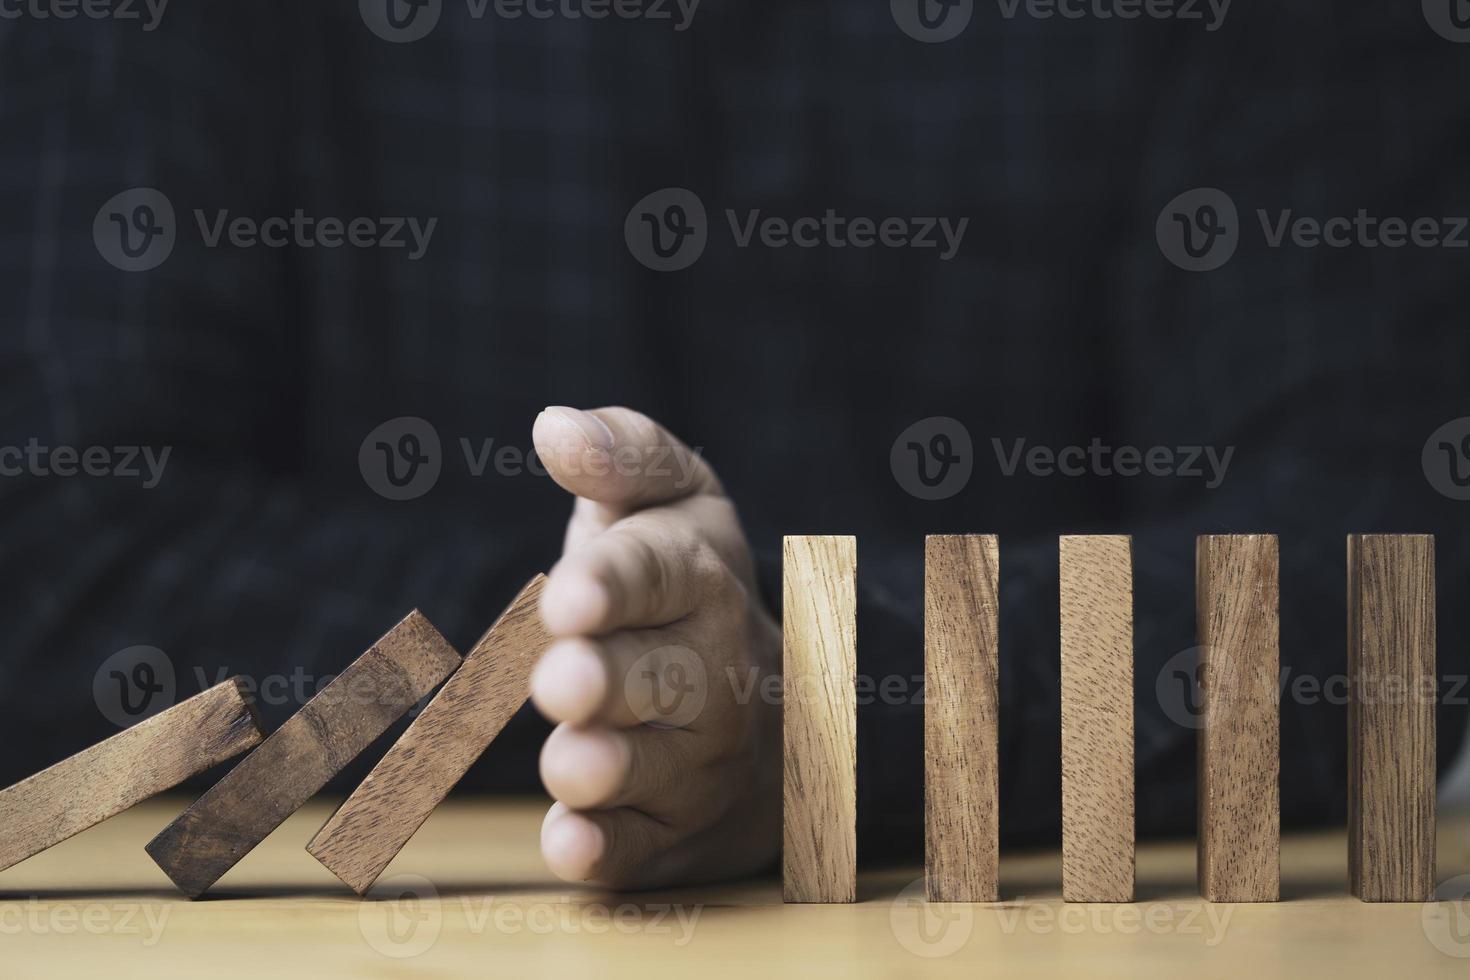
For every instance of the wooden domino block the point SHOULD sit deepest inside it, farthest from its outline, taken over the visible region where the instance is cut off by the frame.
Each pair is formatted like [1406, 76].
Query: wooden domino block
[102, 781]
[819, 809]
[454, 730]
[1097, 718]
[1237, 580]
[296, 761]
[1391, 706]
[961, 718]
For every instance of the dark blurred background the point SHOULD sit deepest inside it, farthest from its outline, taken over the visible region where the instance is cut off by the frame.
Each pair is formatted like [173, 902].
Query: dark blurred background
[1064, 317]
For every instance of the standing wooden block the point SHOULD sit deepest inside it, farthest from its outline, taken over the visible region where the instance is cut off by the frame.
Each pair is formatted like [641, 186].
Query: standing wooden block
[100, 782]
[1097, 718]
[456, 728]
[1237, 578]
[819, 614]
[1391, 705]
[961, 718]
[240, 810]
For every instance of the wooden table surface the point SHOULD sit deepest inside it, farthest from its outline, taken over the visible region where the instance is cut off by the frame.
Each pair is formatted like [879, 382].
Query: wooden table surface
[480, 903]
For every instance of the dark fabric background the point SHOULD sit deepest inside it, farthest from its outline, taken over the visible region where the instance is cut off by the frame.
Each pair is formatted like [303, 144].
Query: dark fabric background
[263, 550]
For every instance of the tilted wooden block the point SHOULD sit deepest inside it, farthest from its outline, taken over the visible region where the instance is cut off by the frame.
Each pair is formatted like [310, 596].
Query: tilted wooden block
[1237, 580]
[1391, 706]
[819, 808]
[961, 717]
[454, 730]
[1097, 718]
[102, 781]
[298, 759]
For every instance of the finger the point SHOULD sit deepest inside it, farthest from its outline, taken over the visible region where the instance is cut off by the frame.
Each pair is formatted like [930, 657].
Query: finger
[645, 768]
[647, 570]
[627, 678]
[615, 848]
[618, 458]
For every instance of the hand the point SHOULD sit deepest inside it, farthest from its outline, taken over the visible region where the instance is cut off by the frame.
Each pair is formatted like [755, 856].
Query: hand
[666, 759]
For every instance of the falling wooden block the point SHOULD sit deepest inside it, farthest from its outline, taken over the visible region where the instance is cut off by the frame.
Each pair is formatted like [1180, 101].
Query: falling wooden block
[819, 614]
[100, 782]
[961, 718]
[298, 759]
[1391, 706]
[1097, 718]
[456, 727]
[1237, 578]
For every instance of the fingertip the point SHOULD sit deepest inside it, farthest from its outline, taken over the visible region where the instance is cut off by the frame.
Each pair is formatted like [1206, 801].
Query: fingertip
[584, 768]
[569, 683]
[571, 844]
[574, 601]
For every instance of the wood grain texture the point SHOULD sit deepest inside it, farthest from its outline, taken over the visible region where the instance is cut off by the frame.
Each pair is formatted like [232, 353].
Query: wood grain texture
[961, 718]
[296, 761]
[102, 781]
[1237, 581]
[1391, 708]
[1096, 574]
[819, 799]
[454, 730]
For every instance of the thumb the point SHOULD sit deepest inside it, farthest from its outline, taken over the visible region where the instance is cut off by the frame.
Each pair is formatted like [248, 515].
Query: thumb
[619, 458]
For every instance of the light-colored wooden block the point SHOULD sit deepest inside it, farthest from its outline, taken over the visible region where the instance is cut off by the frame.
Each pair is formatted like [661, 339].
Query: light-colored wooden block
[819, 805]
[1391, 706]
[1237, 581]
[1097, 718]
[455, 729]
[271, 783]
[102, 781]
[961, 718]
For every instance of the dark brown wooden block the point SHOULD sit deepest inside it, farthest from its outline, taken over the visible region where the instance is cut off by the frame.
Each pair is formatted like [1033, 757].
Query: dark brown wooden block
[961, 717]
[1391, 706]
[296, 761]
[1238, 606]
[102, 781]
[454, 730]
